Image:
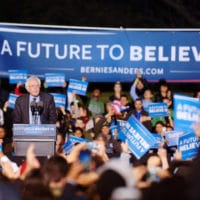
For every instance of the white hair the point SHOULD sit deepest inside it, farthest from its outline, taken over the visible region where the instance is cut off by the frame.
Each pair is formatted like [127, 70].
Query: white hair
[32, 78]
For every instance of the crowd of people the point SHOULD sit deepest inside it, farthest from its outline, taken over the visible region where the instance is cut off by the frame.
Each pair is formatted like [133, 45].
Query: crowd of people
[105, 170]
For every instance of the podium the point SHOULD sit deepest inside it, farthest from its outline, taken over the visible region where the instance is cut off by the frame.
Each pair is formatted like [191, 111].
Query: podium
[42, 135]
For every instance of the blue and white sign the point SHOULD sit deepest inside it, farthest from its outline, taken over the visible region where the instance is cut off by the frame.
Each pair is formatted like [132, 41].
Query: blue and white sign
[75, 139]
[55, 79]
[172, 137]
[140, 140]
[157, 110]
[11, 99]
[186, 112]
[67, 147]
[188, 145]
[159, 141]
[121, 123]
[77, 86]
[60, 99]
[17, 76]
[101, 54]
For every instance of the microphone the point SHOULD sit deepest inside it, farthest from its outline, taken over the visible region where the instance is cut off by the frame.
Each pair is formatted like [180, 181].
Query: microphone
[40, 106]
[33, 106]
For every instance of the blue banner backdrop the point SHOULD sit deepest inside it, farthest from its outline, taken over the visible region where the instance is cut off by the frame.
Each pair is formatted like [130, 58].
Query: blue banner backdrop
[103, 55]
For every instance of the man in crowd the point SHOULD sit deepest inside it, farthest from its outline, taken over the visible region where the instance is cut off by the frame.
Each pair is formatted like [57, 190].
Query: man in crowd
[34, 100]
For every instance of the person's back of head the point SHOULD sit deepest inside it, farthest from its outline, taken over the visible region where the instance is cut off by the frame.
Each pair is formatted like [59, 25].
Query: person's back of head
[54, 169]
[105, 186]
[113, 174]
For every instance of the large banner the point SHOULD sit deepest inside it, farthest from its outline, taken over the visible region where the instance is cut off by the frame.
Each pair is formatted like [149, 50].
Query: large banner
[103, 55]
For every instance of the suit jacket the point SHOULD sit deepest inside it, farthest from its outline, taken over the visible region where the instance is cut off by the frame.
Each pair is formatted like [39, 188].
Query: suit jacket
[22, 106]
[147, 123]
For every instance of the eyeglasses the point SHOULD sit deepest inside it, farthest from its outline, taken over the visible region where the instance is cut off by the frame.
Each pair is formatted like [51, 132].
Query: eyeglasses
[34, 86]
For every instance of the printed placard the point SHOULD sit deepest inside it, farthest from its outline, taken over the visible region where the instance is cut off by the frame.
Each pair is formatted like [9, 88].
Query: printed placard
[159, 141]
[188, 145]
[77, 86]
[121, 123]
[17, 76]
[67, 147]
[172, 137]
[186, 112]
[60, 99]
[11, 99]
[75, 139]
[157, 110]
[140, 140]
[55, 79]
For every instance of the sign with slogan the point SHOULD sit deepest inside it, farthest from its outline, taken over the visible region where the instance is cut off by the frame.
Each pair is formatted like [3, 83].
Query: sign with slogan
[157, 110]
[188, 145]
[140, 140]
[16, 76]
[116, 127]
[67, 147]
[11, 99]
[121, 123]
[75, 139]
[186, 112]
[55, 79]
[101, 54]
[71, 142]
[77, 86]
[172, 137]
[60, 99]
[159, 141]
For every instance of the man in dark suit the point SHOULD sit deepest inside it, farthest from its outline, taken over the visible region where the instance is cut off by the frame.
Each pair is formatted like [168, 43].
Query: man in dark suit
[35, 99]
[140, 114]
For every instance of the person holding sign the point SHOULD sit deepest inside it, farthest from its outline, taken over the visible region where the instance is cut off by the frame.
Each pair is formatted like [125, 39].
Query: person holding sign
[34, 100]
[140, 114]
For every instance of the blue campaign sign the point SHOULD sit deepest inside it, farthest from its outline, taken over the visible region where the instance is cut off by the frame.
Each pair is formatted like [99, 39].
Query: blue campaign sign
[114, 129]
[172, 137]
[140, 140]
[11, 99]
[60, 99]
[159, 141]
[157, 110]
[101, 54]
[77, 86]
[16, 76]
[75, 139]
[121, 123]
[67, 147]
[186, 112]
[188, 145]
[55, 79]
[71, 141]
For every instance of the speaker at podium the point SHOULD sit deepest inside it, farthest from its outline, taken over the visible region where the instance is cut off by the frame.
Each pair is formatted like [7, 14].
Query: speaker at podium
[43, 136]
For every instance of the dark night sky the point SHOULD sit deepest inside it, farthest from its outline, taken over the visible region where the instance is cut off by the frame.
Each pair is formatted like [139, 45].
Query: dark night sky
[104, 13]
